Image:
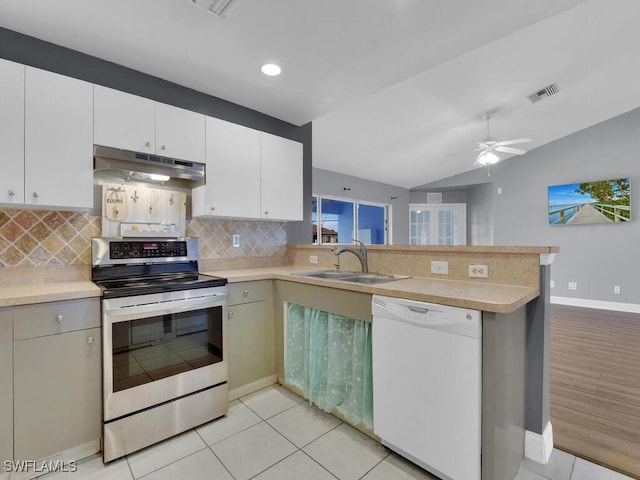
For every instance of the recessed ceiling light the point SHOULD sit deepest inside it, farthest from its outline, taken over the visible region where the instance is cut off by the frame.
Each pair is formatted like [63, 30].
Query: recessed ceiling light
[271, 69]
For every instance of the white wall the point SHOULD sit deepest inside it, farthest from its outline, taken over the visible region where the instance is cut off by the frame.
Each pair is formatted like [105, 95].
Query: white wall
[596, 256]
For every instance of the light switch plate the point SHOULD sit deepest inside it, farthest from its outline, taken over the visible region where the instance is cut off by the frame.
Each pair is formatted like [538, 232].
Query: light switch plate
[440, 268]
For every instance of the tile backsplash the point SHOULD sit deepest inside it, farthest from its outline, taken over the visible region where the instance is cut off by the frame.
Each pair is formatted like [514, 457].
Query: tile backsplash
[256, 238]
[35, 238]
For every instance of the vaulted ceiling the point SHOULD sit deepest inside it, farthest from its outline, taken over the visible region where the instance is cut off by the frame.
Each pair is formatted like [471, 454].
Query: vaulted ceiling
[396, 89]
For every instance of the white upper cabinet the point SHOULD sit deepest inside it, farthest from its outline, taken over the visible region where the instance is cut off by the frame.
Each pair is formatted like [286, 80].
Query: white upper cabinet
[281, 174]
[58, 129]
[180, 133]
[250, 174]
[232, 172]
[11, 132]
[123, 120]
[135, 123]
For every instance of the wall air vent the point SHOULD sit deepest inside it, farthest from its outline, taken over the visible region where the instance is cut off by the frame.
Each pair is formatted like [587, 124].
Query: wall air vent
[435, 197]
[543, 93]
[220, 8]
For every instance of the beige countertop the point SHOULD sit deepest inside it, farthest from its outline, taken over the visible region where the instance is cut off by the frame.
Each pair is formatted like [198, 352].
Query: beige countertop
[488, 297]
[28, 293]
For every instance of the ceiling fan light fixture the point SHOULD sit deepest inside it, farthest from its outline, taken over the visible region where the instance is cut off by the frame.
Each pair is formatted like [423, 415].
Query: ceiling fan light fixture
[488, 157]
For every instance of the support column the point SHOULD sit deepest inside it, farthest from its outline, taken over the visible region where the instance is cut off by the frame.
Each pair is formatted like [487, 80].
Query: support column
[539, 434]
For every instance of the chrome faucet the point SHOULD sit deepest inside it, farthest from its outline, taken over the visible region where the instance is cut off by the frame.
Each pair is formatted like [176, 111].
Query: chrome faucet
[361, 254]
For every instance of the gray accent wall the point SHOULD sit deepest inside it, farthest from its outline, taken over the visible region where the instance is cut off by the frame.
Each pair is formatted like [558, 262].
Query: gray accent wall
[30, 51]
[597, 256]
[335, 184]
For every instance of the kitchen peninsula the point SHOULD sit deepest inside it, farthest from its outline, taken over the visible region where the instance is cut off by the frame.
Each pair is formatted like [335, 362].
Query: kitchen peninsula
[513, 299]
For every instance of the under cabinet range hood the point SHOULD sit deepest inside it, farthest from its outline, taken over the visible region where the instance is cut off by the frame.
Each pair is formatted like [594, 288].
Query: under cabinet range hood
[114, 163]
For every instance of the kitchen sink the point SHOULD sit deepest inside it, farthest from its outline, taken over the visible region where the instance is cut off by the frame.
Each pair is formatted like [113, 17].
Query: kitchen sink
[372, 278]
[353, 277]
[331, 274]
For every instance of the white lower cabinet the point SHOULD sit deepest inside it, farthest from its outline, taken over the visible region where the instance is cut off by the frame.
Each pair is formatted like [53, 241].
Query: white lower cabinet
[251, 337]
[57, 379]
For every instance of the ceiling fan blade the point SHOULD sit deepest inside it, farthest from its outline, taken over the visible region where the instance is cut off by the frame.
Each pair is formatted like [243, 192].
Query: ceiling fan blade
[514, 141]
[462, 152]
[515, 151]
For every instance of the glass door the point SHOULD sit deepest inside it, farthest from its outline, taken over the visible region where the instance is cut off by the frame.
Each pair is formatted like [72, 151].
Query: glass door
[441, 224]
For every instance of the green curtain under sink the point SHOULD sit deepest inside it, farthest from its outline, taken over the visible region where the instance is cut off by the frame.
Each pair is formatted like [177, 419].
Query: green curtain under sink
[328, 358]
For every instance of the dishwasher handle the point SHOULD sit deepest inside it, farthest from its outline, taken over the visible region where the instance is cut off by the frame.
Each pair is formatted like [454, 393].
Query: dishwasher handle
[417, 309]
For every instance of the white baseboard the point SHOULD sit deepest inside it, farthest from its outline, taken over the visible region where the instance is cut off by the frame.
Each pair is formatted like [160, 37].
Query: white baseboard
[252, 387]
[539, 447]
[599, 304]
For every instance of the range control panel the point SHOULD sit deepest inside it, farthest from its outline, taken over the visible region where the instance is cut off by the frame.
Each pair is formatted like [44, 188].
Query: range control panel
[147, 249]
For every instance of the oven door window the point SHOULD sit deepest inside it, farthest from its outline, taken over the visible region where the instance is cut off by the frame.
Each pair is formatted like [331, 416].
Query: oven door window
[152, 348]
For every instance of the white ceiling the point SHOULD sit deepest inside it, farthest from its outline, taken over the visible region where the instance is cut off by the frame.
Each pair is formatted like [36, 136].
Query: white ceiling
[395, 88]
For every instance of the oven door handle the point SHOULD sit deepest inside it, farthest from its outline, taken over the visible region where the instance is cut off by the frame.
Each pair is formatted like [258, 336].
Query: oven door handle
[132, 312]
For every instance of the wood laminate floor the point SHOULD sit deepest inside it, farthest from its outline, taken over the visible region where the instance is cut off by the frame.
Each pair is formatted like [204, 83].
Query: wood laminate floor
[595, 386]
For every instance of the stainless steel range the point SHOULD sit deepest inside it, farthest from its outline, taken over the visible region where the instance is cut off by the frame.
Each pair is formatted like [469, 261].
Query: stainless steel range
[164, 341]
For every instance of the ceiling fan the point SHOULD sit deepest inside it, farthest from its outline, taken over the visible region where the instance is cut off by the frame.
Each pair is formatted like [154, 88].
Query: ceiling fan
[490, 147]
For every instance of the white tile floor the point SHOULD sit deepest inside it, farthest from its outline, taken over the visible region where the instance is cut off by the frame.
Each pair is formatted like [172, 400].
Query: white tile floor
[275, 435]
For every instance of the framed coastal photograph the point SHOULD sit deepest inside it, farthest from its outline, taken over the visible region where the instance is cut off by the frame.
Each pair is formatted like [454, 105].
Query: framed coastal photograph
[603, 201]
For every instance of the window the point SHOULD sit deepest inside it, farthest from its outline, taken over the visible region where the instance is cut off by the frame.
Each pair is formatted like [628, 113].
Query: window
[339, 220]
[441, 224]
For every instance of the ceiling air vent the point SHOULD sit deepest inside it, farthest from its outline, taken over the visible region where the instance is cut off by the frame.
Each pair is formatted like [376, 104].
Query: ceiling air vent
[543, 93]
[220, 8]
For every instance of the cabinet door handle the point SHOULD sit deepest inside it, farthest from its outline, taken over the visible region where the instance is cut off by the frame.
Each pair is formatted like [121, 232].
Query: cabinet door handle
[89, 340]
[12, 193]
[163, 147]
[266, 212]
[58, 318]
[148, 144]
[245, 293]
[35, 195]
[213, 209]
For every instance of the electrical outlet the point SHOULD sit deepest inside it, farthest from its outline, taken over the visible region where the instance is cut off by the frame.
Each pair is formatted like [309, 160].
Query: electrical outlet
[236, 240]
[552, 284]
[573, 285]
[313, 259]
[616, 289]
[479, 271]
[440, 268]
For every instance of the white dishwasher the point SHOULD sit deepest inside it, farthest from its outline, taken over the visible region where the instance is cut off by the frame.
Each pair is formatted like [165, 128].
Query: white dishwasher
[427, 384]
